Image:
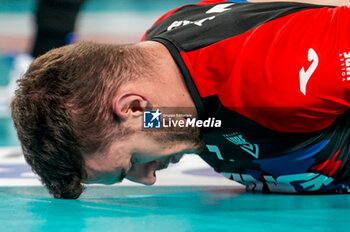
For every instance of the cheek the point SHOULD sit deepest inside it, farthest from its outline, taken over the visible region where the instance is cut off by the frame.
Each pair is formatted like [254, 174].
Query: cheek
[107, 178]
[143, 158]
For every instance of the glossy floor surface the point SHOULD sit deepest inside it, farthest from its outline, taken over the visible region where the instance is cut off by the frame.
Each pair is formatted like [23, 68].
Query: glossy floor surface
[171, 209]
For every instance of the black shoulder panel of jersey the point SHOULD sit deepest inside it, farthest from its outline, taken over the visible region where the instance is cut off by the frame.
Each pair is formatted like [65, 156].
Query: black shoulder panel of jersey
[195, 26]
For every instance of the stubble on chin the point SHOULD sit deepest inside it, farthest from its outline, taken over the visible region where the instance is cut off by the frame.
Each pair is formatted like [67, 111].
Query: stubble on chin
[189, 135]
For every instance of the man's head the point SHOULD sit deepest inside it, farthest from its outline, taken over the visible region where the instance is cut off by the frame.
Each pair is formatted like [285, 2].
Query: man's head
[76, 125]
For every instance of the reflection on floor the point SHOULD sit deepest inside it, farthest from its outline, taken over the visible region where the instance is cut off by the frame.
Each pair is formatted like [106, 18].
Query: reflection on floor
[171, 208]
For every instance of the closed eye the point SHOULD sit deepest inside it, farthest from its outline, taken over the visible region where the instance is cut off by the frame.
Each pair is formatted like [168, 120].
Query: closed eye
[125, 172]
[122, 175]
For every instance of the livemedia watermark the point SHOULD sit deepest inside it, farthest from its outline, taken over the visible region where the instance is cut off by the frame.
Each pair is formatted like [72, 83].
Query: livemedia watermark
[176, 118]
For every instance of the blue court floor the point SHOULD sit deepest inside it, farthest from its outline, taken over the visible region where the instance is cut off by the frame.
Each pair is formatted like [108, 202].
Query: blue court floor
[171, 209]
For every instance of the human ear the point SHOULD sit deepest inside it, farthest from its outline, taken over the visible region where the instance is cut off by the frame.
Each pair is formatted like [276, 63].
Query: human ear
[129, 104]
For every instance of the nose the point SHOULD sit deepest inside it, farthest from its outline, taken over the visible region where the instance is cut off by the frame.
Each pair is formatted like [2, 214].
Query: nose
[143, 173]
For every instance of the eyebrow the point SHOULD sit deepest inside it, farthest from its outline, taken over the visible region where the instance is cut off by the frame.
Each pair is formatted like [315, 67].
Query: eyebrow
[122, 175]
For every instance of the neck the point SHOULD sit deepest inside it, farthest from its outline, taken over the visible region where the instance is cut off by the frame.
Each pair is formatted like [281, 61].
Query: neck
[166, 87]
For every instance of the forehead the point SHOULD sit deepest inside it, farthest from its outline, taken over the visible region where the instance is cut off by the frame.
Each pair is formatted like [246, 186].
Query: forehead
[105, 168]
[106, 177]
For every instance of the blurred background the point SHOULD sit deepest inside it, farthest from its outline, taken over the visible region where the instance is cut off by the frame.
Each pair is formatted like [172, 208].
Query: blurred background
[112, 21]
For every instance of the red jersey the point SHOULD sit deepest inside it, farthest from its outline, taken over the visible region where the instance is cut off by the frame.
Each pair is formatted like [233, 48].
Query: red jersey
[277, 75]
